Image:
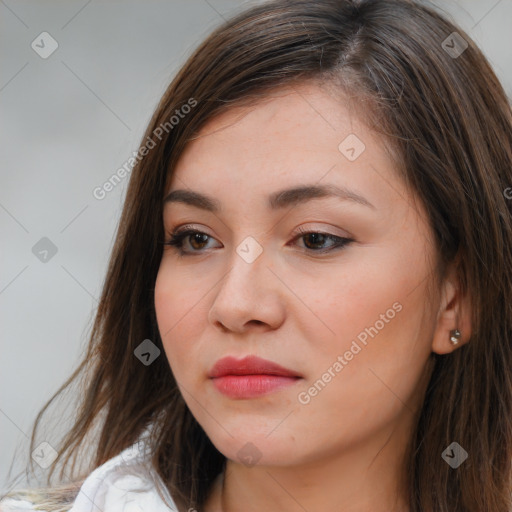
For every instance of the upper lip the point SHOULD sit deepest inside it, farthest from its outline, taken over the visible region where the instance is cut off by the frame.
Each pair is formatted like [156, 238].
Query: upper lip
[250, 365]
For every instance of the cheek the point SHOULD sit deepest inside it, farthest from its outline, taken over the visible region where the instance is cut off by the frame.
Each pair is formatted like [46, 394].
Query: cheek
[179, 294]
[344, 302]
[372, 317]
[178, 305]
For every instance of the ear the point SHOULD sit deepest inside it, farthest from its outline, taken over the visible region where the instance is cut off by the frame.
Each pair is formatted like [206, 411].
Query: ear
[454, 313]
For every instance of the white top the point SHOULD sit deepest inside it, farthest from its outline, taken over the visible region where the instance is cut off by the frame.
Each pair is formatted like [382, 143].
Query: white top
[124, 483]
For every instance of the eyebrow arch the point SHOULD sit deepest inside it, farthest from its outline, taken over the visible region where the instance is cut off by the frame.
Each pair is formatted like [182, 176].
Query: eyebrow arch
[277, 200]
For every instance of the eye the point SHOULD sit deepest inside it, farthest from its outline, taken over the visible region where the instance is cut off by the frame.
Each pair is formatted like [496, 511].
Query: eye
[316, 238]
[194, 237]
[197, 240]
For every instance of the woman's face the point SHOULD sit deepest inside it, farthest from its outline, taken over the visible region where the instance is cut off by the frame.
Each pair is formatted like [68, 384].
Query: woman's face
[351, 322]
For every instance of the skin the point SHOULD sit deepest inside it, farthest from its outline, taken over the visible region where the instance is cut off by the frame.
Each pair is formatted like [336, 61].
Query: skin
[344, 449]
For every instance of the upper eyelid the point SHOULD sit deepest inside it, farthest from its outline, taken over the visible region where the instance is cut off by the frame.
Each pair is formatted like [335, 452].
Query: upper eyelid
[187, 230]
[326, 230]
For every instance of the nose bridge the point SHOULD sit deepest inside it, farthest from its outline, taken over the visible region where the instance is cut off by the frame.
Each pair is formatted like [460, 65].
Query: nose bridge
[245, 292]
[248, 265]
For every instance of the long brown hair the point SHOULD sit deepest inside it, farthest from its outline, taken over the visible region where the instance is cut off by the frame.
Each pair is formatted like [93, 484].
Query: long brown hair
[448, 124]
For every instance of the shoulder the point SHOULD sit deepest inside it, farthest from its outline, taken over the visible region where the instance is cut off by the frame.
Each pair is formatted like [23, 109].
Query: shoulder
[125, 482]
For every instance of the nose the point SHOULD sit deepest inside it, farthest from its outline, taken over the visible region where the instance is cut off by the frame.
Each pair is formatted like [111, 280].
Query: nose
[250, 294]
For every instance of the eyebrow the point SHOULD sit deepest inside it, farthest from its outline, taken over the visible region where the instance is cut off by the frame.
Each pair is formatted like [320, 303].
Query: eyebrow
[277, 200]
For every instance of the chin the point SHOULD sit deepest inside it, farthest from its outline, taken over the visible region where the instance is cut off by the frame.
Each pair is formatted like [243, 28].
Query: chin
[252, 445]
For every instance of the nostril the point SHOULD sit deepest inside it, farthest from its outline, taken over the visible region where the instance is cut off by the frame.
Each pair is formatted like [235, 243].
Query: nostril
[258, 322]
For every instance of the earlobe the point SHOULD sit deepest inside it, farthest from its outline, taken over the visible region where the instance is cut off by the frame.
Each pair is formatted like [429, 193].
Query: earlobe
[453, 324]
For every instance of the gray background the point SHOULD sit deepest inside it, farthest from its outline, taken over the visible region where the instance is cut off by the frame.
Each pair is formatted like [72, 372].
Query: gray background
[68, 123]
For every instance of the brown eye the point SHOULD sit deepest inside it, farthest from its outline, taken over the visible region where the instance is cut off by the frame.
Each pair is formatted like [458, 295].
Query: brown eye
[314, 239]
[197, 241]
[198, 238]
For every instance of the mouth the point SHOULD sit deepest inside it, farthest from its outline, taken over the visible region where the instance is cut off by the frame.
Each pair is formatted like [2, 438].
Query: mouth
[250, 377]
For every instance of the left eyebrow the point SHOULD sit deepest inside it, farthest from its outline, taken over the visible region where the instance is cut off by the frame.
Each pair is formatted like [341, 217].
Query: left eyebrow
[277, 200]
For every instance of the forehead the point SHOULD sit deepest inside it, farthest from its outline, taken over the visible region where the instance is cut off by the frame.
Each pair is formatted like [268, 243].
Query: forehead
[292, 136]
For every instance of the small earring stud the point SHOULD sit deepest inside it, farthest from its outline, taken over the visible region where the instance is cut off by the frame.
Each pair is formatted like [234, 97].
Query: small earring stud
[455, 336]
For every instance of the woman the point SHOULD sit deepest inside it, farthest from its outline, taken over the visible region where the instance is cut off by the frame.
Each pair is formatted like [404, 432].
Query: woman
[308, 302]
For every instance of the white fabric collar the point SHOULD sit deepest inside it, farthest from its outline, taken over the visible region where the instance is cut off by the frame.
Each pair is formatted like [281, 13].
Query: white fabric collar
[124, 483]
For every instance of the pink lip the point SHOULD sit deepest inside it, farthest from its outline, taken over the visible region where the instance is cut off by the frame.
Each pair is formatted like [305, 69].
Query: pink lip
[250, 377]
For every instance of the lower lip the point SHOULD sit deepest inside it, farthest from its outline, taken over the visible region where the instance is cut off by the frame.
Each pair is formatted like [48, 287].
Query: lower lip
[251, 386]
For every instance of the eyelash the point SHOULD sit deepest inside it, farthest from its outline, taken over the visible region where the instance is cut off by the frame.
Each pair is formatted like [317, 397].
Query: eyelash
[176, 240]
